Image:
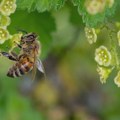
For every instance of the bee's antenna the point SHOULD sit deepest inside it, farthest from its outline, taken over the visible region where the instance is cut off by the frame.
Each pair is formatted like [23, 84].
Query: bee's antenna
[21, 30]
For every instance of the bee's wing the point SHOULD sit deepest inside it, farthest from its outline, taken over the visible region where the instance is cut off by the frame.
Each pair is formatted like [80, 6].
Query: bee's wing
[34, 67]
[39, 66]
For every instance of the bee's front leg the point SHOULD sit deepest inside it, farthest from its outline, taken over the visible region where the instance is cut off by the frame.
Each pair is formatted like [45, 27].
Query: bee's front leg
[11, 56]
[14, 54]
[18, 44]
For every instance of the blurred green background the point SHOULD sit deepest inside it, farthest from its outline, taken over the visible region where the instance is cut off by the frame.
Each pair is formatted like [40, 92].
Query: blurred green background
[72, 90]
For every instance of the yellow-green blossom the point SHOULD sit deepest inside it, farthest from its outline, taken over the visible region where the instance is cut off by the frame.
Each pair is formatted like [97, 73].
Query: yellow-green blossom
[103, 56]
[4, 35]
[15, 40]
[7, 7]
[91, 35]
[103, 73]
[4, 20]
[117, 79]
[95, 6]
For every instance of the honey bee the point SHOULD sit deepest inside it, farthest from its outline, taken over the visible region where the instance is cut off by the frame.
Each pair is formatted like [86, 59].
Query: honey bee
[28, 59]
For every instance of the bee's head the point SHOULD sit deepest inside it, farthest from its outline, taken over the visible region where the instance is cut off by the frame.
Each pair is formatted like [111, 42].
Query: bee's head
[28, 38]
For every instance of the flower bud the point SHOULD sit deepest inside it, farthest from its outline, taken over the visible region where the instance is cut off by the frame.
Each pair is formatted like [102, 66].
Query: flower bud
[104, 73]
[4, 35]
[103, 56]
[7, 7]
[4, 20]
[91, 35]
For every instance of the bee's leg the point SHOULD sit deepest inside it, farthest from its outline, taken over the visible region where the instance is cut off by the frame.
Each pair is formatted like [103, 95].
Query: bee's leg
[21, 30]
[14, 55]
[18, 44]
[10, 56]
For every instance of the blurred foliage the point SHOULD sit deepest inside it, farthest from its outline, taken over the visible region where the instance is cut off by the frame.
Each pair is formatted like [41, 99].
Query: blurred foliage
[72, 90]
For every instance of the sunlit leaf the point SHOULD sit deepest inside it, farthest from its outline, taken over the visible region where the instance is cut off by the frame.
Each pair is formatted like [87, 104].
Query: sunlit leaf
[40, 5]
[94, 20]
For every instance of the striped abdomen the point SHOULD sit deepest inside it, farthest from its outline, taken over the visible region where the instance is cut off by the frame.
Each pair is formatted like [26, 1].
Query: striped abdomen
[20, 68]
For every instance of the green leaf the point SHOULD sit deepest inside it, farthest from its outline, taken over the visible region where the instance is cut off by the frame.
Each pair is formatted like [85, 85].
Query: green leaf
[41, 23]
[75, 18]
[94, 20]
[40, 5]
[116, 17]
[6, 45]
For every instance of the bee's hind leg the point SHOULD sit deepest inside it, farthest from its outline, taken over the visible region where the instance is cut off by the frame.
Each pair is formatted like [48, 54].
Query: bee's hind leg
[11, 56]
[14, 54]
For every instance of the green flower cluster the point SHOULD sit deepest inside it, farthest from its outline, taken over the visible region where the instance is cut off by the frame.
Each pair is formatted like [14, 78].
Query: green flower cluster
[106, 59]
[117, 78]
[7, 7]
[103, 58]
